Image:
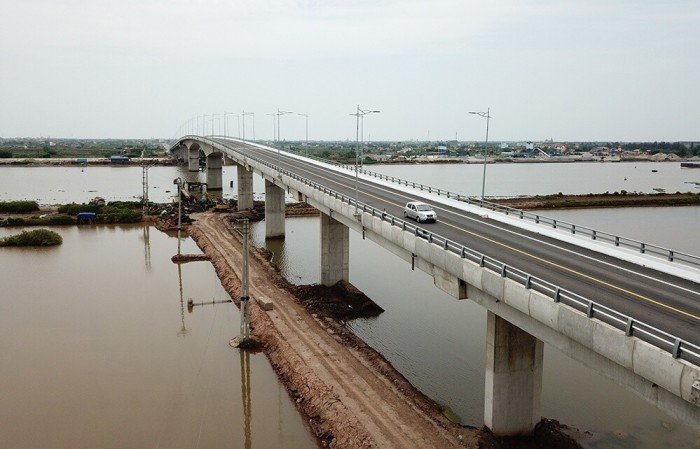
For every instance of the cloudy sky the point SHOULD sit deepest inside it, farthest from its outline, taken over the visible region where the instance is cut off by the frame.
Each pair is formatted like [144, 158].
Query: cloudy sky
[623, 70]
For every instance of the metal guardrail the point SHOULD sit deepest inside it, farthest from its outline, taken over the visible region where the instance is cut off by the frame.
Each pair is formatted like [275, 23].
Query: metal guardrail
[677, 347]
[606, 237]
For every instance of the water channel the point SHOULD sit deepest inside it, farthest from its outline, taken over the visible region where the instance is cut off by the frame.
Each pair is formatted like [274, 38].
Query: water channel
[99, 350]
[436, 342]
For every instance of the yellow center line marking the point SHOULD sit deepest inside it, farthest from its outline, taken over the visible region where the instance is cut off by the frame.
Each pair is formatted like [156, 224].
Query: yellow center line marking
[578, 273]
[548, 262]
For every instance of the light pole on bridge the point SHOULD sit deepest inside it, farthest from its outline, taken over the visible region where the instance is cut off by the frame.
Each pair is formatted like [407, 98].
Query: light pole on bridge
[253, 115]
[274, 126]
[359, 114]
[279, 113]
[279, 138]
[306, 116]
[226, 123]
[486, 115]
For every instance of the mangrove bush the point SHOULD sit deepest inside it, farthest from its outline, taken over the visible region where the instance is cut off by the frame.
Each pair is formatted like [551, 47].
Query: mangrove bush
[37, 237]
[18, 207]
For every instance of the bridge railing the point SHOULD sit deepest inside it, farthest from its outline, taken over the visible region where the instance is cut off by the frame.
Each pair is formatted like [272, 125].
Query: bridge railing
[606, 237]
[676, 346]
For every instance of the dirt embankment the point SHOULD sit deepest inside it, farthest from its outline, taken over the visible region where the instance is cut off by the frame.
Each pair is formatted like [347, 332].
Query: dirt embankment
[351, 396]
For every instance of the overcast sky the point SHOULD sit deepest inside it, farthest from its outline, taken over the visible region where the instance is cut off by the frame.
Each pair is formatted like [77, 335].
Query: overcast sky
[618, 70]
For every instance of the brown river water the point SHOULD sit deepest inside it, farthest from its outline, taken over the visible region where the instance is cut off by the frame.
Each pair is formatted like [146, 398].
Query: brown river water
[97, 349]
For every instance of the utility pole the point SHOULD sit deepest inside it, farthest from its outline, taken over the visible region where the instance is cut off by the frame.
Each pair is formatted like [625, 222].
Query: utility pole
[244, 340]
[178, 182]
[245, 314]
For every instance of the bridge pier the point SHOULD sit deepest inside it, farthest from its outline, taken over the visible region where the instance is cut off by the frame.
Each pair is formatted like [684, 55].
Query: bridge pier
[193, 158]
[335, 251]
[514, 358]
[274, 210]
[245, 187]
[214, 171]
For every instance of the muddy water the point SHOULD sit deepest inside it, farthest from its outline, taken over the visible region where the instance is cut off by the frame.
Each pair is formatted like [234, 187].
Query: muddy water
[439, 343]
[435, 341]
[99, 350]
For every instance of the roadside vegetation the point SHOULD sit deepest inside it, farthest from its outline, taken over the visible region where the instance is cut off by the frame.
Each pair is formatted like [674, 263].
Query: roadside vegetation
[37, 237]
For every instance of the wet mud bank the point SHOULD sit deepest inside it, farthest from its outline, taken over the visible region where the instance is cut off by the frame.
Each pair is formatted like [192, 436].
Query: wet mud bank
[350, 395]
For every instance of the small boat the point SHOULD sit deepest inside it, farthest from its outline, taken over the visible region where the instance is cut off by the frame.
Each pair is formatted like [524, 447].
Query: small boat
[654, 171]
[690, 164]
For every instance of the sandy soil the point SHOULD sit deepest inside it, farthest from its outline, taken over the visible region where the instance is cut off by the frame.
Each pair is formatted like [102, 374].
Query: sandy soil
[352, 397]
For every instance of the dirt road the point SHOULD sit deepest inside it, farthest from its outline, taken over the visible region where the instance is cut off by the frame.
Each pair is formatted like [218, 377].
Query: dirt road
[352, 397]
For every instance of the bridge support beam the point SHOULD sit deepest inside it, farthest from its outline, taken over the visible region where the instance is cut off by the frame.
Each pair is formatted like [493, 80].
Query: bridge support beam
[274, 210]
[513, 378]
[193, 158]
[245, 187]
[335, 251]
[214, 171]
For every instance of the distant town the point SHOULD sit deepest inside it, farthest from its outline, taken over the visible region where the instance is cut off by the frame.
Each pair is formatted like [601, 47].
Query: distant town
[18, 150]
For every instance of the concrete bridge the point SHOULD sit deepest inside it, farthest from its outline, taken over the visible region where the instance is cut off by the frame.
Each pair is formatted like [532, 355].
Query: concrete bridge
[630, 315]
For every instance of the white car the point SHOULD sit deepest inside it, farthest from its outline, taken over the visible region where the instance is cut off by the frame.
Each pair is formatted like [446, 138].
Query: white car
[419, 211]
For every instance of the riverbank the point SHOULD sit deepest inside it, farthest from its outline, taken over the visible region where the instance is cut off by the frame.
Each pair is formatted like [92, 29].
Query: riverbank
[82, 162]
[616, 199]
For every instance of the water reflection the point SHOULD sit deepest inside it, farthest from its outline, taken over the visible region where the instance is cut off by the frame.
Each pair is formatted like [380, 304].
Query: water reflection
[147, 246]
[183, 329]
[438, 343]
[245, 398]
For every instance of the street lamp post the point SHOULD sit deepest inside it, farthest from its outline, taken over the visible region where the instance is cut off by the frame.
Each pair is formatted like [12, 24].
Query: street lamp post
[274, 127]
[487, 115]
[279, 135]
[215, 116]
[243, 115]
[279, 138]
[359, 114]
[226, 123]
[306, 115]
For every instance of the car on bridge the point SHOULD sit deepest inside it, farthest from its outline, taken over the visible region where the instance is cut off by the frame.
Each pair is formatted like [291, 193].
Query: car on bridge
[421, 212]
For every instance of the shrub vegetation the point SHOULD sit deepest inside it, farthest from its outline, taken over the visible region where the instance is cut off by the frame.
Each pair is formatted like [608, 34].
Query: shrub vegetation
[18, 207]
[61, 220]
[114, 212]
[37, 237]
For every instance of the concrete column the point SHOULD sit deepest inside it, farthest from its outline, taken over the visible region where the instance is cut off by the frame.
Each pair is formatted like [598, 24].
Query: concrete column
[513, 378]
[335, 251]
[245, 188]
[193, 158]
[274, 211]
[214, 172]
